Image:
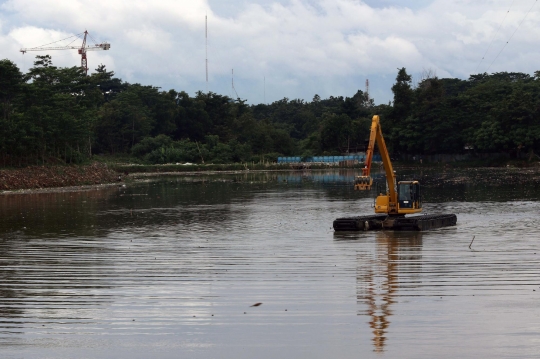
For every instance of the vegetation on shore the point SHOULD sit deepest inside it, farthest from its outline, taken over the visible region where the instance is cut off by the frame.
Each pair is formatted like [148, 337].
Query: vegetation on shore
[53, 115]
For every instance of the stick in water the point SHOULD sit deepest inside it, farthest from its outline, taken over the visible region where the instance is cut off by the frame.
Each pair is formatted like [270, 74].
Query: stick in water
[471, 242]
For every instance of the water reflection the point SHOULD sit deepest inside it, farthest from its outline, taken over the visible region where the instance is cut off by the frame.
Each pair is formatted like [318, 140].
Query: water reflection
[53, 214]
[378, 278]
[342, 176]
[51, 282]
[172, 264]
[197, 202]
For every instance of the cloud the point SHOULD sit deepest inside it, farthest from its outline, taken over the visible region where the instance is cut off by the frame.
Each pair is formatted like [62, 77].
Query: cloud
[301, 47]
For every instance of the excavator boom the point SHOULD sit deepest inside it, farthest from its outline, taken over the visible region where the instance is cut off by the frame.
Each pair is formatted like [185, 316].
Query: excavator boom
[361, 182]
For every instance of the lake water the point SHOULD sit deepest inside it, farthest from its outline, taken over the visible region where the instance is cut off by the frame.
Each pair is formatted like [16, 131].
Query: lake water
[170, 268]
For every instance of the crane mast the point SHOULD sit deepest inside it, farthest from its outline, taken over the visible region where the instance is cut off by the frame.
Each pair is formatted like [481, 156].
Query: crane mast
[82, 50]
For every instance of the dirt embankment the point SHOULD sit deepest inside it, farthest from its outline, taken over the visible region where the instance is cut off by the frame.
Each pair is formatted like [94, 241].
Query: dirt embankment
[55, 176]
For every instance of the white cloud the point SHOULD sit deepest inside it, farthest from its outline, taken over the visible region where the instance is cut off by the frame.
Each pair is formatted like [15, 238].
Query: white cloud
[302, 47]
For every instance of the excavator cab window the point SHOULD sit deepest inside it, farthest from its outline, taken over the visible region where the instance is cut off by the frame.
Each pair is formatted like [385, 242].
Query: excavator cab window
[409, 194]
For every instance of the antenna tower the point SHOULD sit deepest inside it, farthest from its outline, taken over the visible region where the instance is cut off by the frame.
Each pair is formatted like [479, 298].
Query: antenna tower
[232, 83]
[367, 89]
[206, 47]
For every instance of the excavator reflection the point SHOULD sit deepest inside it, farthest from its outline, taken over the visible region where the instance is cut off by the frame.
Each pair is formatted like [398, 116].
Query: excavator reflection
[378, 281]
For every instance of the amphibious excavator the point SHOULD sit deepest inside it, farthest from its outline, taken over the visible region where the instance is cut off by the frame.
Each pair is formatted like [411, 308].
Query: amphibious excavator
[401, 198]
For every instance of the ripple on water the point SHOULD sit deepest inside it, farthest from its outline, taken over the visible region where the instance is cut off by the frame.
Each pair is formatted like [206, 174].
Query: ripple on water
[175, 270]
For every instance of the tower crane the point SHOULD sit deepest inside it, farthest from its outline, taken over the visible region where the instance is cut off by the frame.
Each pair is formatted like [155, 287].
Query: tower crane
[83, 49]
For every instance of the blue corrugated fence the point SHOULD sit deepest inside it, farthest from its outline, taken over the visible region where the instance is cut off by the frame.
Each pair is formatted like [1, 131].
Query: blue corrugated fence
[327, 159]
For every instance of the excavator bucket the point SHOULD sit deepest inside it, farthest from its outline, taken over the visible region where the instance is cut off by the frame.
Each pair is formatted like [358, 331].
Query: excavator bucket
[363, 183]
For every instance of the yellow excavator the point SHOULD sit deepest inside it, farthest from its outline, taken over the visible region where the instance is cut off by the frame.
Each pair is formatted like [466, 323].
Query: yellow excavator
[401, 197]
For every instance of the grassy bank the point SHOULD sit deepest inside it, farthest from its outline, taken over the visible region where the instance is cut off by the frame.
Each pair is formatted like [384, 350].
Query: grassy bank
[137, 168]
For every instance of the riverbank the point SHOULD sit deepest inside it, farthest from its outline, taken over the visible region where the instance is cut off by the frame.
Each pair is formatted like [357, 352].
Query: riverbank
[39, 177]
[99, 174]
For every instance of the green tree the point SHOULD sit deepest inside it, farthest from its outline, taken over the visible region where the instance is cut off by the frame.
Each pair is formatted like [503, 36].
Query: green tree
[403, 95]
[123, 122]
[56, 115]
[336, 133]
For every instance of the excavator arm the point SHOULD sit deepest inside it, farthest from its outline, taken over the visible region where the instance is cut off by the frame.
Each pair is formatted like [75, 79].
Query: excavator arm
[364, 182]
[384, 203]
[376, 136]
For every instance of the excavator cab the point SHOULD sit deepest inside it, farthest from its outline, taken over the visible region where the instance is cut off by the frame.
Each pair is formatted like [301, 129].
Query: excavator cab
[409, 198]
[363, 183]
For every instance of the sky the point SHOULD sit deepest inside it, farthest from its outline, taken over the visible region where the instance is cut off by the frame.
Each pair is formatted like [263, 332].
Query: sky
[280, 48]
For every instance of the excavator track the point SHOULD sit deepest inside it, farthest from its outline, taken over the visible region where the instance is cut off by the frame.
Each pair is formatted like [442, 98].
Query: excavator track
[424, 223]
[400, 223]
[359, 223]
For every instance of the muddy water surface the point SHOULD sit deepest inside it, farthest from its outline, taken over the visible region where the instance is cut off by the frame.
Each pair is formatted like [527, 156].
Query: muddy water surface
[170, 268]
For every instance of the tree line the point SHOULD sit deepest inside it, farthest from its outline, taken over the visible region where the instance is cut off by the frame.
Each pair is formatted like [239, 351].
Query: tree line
[59, 115]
